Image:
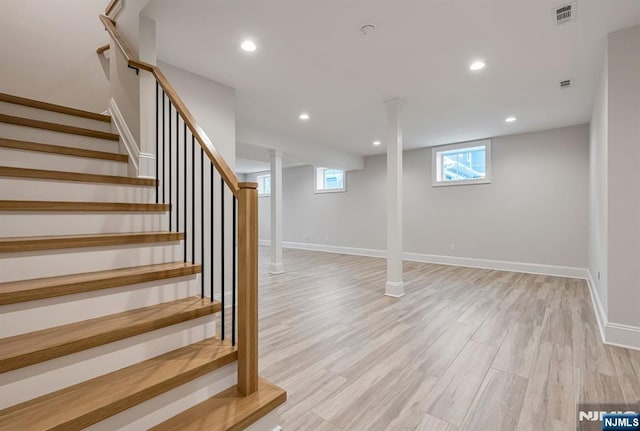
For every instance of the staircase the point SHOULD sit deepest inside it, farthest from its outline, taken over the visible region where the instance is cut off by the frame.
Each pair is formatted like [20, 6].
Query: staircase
[104, 323]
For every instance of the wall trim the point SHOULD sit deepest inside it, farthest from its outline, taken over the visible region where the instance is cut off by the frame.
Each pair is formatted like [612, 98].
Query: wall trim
[499, 265]
[598, 309]
[143, 163]
[613, 334]
[147, 165]
[126, 137]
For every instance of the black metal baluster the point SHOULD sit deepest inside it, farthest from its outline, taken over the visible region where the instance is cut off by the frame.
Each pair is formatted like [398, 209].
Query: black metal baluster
[193, 207]
[157, 138]
[211, 248]
[222, 252]
[233, 283]
[186, 237]
[202, 218]
[163, 143]
[177, 172]
[170, 169]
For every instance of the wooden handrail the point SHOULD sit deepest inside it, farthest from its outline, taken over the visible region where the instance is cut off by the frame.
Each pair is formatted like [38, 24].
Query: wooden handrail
[102, 49]
[111, 6]
[213, 154]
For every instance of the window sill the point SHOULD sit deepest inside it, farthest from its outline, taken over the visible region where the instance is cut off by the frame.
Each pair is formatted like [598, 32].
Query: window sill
[330, 191]
[461, 183]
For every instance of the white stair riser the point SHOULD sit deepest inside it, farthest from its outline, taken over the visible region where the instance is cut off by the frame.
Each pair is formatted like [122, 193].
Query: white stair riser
[159, 409]
[49, 263]
[36, 380]
[53, 117]
[37, 160]
[36, 189]
[31, 134]
[32, 316]
[16, 224]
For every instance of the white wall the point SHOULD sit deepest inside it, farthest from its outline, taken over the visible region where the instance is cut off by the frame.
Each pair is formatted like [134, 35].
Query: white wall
[623, 180]
[49, 52]
[598, 190]
[125, 90]
[211, 103]
[534, 211]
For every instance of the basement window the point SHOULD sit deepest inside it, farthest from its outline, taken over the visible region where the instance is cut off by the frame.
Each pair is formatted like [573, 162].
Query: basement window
[264, 184]
[458, 164]
[330, 180]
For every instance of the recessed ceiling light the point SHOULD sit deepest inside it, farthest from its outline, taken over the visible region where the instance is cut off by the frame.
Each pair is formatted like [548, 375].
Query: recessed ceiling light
[304, 116]
[510, 119]
[376, 143]
[248, 46]
[477, 65]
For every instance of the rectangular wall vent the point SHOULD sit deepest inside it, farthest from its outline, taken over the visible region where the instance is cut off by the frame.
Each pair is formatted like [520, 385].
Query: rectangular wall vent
[565, 14]
[565, 83]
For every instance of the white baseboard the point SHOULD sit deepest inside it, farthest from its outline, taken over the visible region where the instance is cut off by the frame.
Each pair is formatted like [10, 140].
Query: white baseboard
[614, 334]
[499, 265]
[147, 165]
[598, 309]
[334, 249]
[623, 336]
[394, 289]
[143, 163]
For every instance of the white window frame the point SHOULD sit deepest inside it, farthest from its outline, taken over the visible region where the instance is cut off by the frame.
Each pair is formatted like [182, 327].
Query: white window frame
[435, 158]
[315, 181]
[263, 175]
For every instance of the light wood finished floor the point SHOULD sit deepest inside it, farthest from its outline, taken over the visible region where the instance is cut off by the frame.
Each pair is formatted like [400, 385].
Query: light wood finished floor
[464, 349]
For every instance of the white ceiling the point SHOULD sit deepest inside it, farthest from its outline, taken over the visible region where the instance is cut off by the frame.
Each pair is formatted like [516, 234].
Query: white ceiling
[312, 57]
[253, 158]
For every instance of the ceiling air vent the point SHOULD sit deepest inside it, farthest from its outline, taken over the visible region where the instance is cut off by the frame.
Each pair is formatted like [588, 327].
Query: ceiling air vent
[565, 14]
[565, 84]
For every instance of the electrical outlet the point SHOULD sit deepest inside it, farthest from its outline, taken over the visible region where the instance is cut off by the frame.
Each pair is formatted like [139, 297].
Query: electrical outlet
[306, 237]
[326, 238]
[453, 247]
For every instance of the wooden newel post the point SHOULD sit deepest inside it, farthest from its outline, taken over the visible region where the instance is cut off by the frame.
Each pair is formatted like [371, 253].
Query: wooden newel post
[248, 288]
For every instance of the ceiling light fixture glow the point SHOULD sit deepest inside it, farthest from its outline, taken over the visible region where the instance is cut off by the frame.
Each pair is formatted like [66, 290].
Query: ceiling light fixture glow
[248, 46]
[477, 65]
[376, 143]
[510, 119]
[304, 116]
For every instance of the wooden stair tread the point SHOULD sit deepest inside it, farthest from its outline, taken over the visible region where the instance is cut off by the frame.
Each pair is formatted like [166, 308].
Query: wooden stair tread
[81, 206]
[49, 287]
[86, 403]
[32, 243]
[62, 150]
[53, 107]
[228, 411]
[56, 127]
[6, 171]
[27, 349]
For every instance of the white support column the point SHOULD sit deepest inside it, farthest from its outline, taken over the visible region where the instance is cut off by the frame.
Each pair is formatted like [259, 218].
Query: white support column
[395, 284]
[276, 266]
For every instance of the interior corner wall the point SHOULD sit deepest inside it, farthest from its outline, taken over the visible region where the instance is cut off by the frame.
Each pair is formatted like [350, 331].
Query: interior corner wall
[598, 141]
[211, 103]
[623, 180]
[534, 211]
